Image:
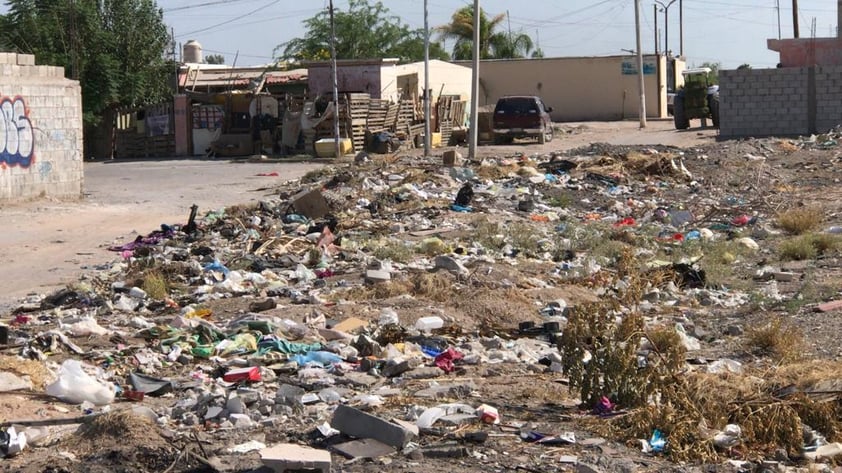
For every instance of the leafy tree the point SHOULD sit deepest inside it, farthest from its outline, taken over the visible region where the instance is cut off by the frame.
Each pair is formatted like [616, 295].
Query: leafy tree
[115, 48]
[538, 53]
[364, 31]
[493, 44]
[215, 59]
[745, 66]
[714, 70]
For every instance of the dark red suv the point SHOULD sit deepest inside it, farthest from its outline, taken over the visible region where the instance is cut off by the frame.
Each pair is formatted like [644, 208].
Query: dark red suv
[522, 117]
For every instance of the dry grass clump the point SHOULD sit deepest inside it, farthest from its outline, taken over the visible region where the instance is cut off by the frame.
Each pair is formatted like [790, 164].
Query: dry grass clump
[438, 287]
[489, 234]
[809, 246]
[798, 249]
[798, 221]
[156, 285]
[394, 250]
[23, 367]
[779, 339]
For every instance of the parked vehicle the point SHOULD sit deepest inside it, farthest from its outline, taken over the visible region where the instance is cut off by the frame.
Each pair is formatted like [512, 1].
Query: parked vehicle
[699, 98]
[522, 117]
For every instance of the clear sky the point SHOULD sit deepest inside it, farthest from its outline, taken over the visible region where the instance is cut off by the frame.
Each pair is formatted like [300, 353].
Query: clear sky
[732, 32]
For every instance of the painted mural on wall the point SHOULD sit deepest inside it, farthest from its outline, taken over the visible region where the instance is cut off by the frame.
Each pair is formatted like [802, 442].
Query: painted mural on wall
[17, 138]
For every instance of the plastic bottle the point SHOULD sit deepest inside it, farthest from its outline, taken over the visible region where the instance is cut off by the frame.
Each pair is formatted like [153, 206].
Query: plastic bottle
[427, 324]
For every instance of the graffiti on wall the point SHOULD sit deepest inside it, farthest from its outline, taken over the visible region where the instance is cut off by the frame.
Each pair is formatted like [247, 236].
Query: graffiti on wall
[17, 140]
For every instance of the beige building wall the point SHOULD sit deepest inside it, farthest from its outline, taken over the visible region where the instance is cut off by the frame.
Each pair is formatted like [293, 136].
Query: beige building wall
[579, 89]
[445, 78]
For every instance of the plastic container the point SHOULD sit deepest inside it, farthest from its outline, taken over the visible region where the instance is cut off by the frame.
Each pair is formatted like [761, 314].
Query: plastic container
[428, 324]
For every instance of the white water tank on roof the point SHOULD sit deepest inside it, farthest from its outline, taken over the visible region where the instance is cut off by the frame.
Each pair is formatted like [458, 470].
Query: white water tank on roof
[193, 52]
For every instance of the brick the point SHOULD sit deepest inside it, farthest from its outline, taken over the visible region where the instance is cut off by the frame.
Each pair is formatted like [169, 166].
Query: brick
[356, 423]
[25, 60]
[287, 456]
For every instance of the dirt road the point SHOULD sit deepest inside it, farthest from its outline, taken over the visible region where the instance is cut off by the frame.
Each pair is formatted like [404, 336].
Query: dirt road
[47, 244]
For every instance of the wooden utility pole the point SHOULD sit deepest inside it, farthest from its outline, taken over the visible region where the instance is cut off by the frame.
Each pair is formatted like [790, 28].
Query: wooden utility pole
[333, 67]
[474, 132]
[641, 82]
[657, 46]
[427, 136]
[681, 28]
[795, 18]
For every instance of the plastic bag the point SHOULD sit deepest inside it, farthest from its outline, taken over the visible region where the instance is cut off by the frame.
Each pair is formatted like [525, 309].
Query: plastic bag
[74, 386]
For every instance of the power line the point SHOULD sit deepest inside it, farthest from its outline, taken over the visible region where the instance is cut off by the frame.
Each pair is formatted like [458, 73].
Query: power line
[199, 5]
[273, 2]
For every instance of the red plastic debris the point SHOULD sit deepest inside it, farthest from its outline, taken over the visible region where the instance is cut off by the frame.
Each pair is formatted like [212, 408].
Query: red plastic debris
[626, 222]
[741, 220]
[238, 375]
[446, 358]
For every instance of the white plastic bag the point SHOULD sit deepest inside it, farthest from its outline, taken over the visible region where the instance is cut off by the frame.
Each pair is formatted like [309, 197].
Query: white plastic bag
[74, 386]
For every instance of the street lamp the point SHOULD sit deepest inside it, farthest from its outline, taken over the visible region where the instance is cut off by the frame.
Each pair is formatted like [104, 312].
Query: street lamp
[666, 10]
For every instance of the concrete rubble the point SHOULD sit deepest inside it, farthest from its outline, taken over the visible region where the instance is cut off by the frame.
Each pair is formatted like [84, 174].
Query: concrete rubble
[417, 313]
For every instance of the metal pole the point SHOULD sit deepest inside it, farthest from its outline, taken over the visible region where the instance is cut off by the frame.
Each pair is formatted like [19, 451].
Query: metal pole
[427, 131]
[795, 18]
[657, 46]
[778, 8]
[666, 30]
[474, 132]
[641, 82]
[681, 27]
[333, 68]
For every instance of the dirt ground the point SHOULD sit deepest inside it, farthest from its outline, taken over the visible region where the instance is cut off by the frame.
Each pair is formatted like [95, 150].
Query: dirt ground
[54, 242]
[45, 244]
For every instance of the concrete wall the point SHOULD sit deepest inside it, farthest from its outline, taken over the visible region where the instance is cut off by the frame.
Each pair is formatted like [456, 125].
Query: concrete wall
[587, 88]
[802, 52]
[40, 131]
[785, 101]
[445, 78]
[375, 78]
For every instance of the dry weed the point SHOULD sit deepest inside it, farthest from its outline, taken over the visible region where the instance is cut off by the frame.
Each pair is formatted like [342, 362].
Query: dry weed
[779, 339]
[798, 221]
[799, 248]
[155, 285]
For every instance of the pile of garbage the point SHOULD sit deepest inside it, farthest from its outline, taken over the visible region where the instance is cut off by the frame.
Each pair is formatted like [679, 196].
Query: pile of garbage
[404, 310]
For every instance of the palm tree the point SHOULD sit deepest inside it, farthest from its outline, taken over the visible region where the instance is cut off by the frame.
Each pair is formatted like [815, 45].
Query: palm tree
[509, 46]
[461, 29]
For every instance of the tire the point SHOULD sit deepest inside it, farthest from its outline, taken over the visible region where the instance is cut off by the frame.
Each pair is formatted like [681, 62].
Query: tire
[550, 132]
[542, 138]
[680, 118]
[714, 109]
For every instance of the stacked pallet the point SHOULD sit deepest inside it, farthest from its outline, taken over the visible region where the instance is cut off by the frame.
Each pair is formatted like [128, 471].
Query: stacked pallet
[357, 112]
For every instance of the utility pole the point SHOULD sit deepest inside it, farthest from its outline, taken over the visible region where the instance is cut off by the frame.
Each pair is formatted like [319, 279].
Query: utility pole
[474, 132]
[795, 18]
[666, 9]
[681, 28]
[778, 8]
[657, 46]
[427, 98]
[333, 67]
[641, 83]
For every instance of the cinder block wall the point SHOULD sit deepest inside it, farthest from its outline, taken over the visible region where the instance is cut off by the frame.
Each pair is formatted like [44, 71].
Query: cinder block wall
[786, 101]
[828, 97]
[763, 102]
[40, 131]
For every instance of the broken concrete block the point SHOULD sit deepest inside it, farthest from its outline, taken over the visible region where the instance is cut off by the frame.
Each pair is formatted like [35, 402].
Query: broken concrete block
[213, 412]
[286, 456]
[357, 423]
[829, 306]
[377, 275]
[350, 325]
[311, 204]
[451, 158]
[241, 421]
[364, 448]
[235, 405]
[450, 264]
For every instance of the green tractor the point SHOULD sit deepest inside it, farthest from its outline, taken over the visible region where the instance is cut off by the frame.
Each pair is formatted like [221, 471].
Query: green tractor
[699, 98]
